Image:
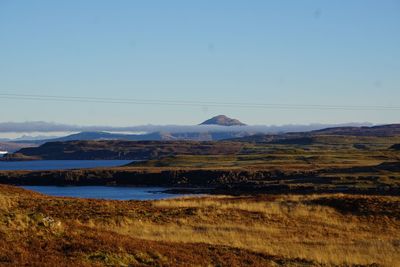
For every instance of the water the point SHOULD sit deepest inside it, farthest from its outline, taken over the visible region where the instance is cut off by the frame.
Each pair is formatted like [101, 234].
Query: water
[105, 192]
[42, 165]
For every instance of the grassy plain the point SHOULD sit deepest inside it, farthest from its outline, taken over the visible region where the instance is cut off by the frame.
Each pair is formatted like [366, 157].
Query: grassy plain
[322, 152]
[330, 163]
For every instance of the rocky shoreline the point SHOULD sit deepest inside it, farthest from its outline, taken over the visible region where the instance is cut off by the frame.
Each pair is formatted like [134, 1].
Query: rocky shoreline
[234, 182]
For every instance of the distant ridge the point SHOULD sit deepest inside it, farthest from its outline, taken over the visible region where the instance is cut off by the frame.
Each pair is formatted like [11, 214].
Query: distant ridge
[12, 147]
[154, 136]
[380, 130]
[222, 120]
[388, 130]
[47, 127]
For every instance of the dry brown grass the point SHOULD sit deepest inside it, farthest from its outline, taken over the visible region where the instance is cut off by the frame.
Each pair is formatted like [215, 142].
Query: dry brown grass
[315, 230]
[285, 226]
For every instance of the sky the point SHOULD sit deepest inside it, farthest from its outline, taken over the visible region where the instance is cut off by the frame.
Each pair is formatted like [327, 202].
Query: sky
[291, 58]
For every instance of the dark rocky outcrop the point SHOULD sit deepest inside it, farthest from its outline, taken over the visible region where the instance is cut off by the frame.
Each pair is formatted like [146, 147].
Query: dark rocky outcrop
[204, 181]
[395, 147]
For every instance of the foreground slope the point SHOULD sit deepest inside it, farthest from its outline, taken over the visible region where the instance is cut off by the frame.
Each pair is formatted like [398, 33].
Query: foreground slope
[318, 230]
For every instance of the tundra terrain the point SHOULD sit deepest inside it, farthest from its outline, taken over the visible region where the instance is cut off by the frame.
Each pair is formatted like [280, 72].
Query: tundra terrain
[330, 199]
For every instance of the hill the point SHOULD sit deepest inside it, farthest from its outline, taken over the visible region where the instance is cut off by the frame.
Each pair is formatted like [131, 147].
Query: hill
[381, 130]
[88, 136]
[222, 120]
[124, 150]
[391, 130]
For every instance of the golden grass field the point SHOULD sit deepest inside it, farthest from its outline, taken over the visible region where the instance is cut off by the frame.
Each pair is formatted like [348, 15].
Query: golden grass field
[281, 230]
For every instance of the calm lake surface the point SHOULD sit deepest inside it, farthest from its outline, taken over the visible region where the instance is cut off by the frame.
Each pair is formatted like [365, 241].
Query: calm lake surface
[42, 165]
[105, 192]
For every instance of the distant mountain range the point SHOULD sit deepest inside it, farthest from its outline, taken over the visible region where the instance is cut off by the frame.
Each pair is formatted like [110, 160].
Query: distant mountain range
[156, 136]
[217, 128]
[383, 130]
[214, 125]
[102, 145]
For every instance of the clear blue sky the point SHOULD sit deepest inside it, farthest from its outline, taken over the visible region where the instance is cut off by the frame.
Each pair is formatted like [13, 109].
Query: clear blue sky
[279, 52]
